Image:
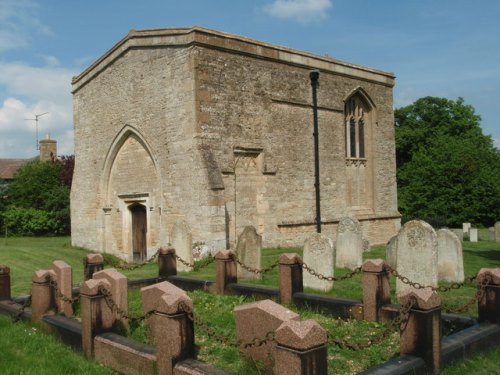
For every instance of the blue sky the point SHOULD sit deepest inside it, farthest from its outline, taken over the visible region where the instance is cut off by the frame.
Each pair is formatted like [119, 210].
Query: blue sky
[447, 48]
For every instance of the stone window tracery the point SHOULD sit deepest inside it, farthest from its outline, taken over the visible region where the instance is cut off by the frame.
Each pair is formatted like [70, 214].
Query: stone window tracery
[355, 128]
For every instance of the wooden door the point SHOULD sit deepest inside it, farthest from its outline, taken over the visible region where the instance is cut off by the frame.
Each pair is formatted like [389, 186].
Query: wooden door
[139, 230]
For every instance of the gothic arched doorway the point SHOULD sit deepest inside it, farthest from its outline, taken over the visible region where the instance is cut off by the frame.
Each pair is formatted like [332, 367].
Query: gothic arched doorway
[139, 230]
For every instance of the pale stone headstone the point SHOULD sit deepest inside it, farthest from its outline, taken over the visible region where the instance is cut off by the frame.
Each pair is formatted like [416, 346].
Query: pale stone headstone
[473, 236]
[497, 231]
[182, 242]
[391, 251]
[450, 257]
[349, 244]
[466, 227]
[459, 232]
[248, 250]
[319, 255]
[366, 245]
[417, 255]
[491, 234]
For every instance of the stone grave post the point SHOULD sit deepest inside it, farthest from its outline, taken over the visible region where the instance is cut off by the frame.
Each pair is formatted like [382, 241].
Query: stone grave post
[489, 304]
[422, 335]
[43, 299]
[182, 242]
[225, 268]
[255, 321]
[417, 256]
[249, 251]
[118, 287]
[319, 255]
[64, 279]
[4, 282]
[290, 276]
[450, 257]
[301, 349]
[349, 244]
[92, 263]
[491, 234]
[167, 262]
[170, 324]
[97, 316]
[376, 289]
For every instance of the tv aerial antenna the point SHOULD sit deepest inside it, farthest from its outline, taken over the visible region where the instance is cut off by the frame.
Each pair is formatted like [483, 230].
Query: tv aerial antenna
[36, 126]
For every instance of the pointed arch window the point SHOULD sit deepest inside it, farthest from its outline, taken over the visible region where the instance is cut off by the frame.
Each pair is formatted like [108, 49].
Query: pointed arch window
[355, 128]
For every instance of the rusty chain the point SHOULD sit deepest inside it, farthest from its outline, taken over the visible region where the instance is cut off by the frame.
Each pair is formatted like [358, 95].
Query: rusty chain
[320, 276]
[417, 285]
[26, 304]
[255, 270]
[477, 297]
[129, 267]
[53, 283]
[210, 331]
[399, 322]
[196, 265]
[108, 297]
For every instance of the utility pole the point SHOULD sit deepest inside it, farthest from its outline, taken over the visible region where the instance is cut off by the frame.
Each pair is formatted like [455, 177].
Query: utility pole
[36, 126]
[314, 76]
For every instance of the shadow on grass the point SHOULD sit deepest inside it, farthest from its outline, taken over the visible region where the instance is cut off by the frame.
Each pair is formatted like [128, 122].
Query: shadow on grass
[492, 255]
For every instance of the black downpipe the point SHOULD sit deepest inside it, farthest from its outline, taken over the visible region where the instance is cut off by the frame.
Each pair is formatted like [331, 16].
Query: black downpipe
[314, 76]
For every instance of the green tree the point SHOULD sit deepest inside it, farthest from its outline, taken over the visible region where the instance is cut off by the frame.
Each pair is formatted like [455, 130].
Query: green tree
[38, 202]
[448, 171]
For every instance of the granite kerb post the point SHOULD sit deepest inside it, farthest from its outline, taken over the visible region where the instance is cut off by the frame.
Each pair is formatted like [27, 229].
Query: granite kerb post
[489, 303]
[92, 263]
[421, 335]
[5, 293]
[167, 262]
[225, 266]
[376, 289]
[290, 273]
[171, 325]
[43, 299]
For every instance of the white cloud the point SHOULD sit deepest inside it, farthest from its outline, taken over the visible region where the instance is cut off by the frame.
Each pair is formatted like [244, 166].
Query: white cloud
[31, 91]
[303, 11]
[17, 22]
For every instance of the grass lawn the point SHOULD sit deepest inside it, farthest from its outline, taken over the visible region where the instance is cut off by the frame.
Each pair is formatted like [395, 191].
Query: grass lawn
[25, 255]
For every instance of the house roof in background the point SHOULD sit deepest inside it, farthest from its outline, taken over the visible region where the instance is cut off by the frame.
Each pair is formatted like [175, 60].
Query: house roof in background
[8, 167]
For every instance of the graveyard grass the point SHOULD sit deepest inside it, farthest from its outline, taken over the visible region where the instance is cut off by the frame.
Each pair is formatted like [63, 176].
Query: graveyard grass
[25, 255]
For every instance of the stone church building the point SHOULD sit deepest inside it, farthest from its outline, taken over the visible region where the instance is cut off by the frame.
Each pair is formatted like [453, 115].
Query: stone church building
[216, 130]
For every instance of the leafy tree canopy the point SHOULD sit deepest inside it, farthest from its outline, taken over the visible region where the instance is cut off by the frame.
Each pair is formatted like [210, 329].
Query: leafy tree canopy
[448, 170]
[37, 194]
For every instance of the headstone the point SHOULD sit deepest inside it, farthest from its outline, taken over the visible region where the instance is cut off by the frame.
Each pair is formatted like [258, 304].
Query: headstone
[497, 231]
[349, 244]
[491, 234]
[366, 245]
[182, 242]
[459, 233]
[450, 258]
[391, 251]
[417, 255]
[473, 236]
[319, 255]
[248, 251]
[254, 321]
[466, 227]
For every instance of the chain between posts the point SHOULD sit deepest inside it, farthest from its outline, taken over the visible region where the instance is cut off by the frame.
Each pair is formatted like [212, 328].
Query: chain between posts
[130, 267]
[477, 297]
[416, 285]
[26, 304]
[108, 297]
[53, 283]
[196, 266]
[399, 322]
[255, 270]
[209, 330]
[331, 278]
